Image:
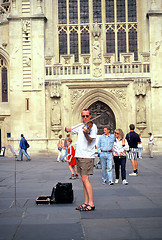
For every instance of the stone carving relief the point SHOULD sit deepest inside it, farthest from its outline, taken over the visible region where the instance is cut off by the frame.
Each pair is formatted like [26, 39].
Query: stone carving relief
[77, 94]
[140, 92]
[55, 113]
[96, 51]
[140, 87]
[120, 94]
[141, 110]
[55, 89]
[25, 25]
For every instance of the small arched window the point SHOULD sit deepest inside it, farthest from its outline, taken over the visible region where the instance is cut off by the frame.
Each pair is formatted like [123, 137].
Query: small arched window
[3, 81]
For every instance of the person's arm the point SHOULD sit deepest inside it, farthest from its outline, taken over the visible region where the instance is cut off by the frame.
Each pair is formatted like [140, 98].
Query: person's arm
[89, 139]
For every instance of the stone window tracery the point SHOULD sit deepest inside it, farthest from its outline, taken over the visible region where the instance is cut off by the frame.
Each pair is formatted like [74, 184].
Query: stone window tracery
[117, 20]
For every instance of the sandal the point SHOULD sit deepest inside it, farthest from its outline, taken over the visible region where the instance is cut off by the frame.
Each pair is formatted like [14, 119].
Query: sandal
[81, 206]
[88, 208]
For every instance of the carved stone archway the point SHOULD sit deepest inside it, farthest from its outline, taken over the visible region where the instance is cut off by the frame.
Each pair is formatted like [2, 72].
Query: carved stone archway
[107, 118]
[106, 97]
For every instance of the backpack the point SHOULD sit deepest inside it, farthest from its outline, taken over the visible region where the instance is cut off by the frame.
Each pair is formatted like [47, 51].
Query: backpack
[26, 144]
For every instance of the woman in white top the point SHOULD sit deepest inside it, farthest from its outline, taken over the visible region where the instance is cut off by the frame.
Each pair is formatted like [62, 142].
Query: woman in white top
[119, 152]
[140, 148]
[150, 144]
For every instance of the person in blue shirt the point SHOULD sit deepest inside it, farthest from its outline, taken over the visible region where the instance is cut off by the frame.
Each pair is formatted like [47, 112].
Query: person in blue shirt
[104, 148]
[22, 149]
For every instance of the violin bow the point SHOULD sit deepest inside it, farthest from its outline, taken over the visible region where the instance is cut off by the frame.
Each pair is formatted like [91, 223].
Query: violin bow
[78, 125]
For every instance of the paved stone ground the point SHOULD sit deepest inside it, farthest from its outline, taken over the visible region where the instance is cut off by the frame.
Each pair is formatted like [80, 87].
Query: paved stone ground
[122, 212]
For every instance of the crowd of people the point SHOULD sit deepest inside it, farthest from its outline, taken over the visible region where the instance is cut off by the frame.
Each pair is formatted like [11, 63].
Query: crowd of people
[112, 148]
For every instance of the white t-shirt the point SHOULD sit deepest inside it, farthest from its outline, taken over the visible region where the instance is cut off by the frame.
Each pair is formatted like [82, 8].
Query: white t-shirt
[83, 148]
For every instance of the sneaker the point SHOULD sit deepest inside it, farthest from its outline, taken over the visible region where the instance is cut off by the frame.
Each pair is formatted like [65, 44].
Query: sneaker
[104, 182]
[76, 176]
[125, 182]
[133, 174]
[72, 177]
[111, 183]
[116, 180]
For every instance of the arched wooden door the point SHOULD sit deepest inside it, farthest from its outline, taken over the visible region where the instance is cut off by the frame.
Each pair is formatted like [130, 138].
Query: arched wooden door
[107, 118]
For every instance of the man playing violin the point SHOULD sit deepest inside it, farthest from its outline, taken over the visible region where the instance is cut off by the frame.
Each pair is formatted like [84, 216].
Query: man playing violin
[85, 155]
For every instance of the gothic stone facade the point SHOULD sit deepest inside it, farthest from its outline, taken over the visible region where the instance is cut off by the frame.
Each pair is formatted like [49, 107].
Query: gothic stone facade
[58, 57]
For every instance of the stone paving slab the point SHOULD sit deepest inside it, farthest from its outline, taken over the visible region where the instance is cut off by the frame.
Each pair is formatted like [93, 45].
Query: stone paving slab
[122, 212]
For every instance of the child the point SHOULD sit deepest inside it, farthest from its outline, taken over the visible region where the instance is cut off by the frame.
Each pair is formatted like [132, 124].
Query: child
[72, 159]
[60, 148]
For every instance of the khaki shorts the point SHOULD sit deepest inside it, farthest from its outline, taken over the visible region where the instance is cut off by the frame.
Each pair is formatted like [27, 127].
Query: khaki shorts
[85, 166]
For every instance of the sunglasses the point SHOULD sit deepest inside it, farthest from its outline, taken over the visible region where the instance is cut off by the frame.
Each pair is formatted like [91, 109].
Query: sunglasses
[116, 133]
[83, 116]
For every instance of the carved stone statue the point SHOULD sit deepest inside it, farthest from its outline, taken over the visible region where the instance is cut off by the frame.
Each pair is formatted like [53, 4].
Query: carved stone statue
[55, 114]
[96, 51]
[55, 89]
[141, 110]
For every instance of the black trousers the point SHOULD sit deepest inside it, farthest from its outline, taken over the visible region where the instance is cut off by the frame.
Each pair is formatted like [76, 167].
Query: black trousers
[120, 161]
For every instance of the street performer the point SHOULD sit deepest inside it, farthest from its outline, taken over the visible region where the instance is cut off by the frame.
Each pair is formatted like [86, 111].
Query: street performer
[85, 155]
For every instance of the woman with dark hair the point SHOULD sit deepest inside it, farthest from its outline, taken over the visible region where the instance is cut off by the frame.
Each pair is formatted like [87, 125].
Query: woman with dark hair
[119, 152]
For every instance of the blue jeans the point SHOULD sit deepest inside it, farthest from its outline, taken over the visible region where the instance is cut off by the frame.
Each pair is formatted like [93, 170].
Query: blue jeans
[106, 163]
[21, 152]
[66, 153]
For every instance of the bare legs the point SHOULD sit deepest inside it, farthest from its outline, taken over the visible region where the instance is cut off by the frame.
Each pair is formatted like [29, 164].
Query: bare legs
[88, 191]
[134, 164]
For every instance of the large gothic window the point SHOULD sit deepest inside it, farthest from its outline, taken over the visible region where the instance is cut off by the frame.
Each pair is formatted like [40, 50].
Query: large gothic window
[116, 18]
[3, 81]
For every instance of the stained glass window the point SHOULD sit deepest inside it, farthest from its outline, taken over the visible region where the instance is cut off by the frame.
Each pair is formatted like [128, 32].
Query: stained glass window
[73, 11]
[120, 10]
[74, 44]
[84, 11]
[62, 43]
[110, 41]
[84, 42]
[133, 42]
[121, 41]
[62, 15]
[97, 12]
[109, 10]
[4, 85]
[132, 11]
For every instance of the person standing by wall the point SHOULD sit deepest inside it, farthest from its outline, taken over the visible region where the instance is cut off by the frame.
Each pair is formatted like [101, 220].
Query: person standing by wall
[60, 148]
[150, 144]
[22, 149]
[140, 147]
[104, 147]
[119, 152]
[66, 148]
[85, 155]
[133, 139]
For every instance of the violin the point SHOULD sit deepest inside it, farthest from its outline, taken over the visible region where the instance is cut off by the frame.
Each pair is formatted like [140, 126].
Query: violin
[88, 125]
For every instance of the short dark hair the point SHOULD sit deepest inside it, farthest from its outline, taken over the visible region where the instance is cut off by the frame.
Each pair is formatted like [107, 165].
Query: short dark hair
[68, 135]
[150, 133]
[131, 126]
[22, 135]
[86, 109]
[60, 136]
